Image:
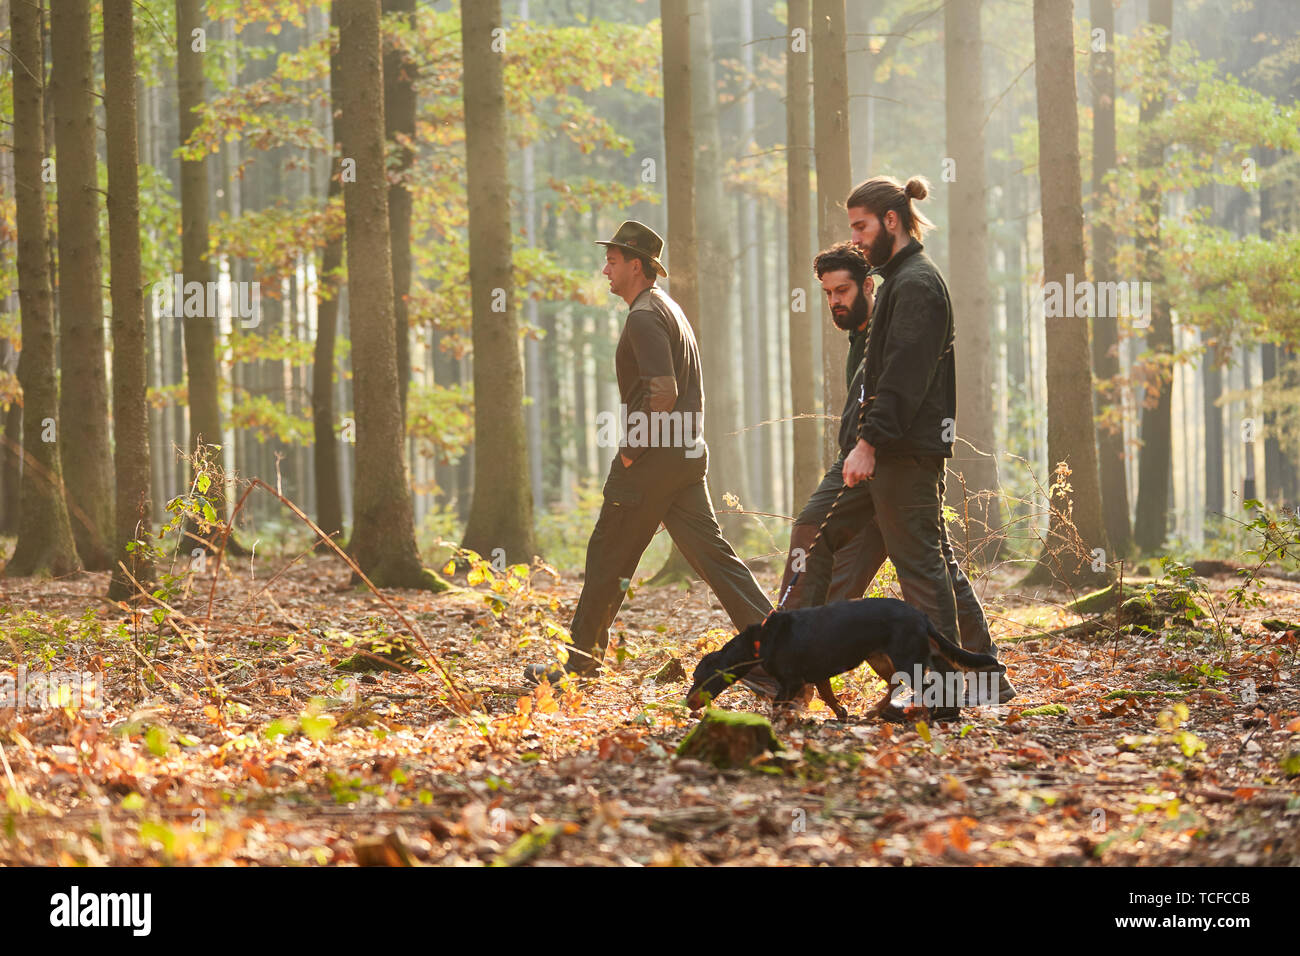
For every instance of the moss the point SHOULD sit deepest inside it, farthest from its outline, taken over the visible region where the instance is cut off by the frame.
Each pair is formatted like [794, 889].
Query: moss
[435, 582]
[729, 739]
[1101, 600]
[1047, 710]
[532, 843]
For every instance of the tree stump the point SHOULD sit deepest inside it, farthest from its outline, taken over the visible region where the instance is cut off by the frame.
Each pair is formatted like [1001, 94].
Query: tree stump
[729, 740]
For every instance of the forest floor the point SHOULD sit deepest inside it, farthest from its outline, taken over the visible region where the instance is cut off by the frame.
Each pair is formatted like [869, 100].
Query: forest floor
[237, 733]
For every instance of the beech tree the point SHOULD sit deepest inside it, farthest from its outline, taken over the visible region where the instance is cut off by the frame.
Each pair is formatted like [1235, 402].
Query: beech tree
[45, 544]
[84, 447]
[383, 536]
[201, 377]
[126, 291]
[968, 276]
[1070, 432]
[805, 470]
[501, 514]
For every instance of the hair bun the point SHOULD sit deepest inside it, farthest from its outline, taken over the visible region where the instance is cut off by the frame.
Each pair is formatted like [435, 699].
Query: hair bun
[917, 188]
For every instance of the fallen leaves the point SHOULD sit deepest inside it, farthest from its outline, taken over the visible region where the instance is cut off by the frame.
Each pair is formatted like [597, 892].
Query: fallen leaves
[257, 750]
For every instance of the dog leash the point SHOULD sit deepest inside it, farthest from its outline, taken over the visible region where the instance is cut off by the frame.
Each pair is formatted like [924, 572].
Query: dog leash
[864, 404]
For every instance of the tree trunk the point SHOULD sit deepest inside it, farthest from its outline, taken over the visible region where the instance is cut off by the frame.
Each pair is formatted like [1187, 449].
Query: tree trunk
[1070, 434]
[11, 447]
[501, 515]
[1212, 376]
[764, 492]
[202, 377]
[329, 505]
[399, 125]
[680, 159]
[753, 349]
[806, 470]
[45, 544]
[11, 452]
[383, 538]
[83, 408]
[126, 292]
[713, 315]
[861, 79]
[1156, 456]
[972, 295]
[834, 181]
[1278, 470]
[1105, 329]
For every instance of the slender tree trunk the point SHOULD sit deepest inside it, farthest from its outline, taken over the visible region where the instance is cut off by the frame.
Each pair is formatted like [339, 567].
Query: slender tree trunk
[399, 129]
[1013, 250]
[713, 317]
[126, 291]
[861, 80]
[83, 408]
[1070, 432]
[750, 325]
[329, 505]
[806, 470]
[1274, 487]
[685, 256]
[45, 544]
[1105, 329]
[501, 515]
[1155, 459]
[766, 435]
[202, 377]
[11, 452]
[1212, 376]
[968, 269]
[834, 180]
[383, 538]
[13, 469]
[539, 437]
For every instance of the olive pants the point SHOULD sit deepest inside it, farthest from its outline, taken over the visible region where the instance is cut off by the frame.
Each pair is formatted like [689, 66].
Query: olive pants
[663, 485]
[897, 514]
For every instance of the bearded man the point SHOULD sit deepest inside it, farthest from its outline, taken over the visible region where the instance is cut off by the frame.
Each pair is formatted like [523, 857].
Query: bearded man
[883, 496]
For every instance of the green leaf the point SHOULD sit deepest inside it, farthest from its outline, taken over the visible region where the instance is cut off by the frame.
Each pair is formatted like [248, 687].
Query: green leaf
[157, 739]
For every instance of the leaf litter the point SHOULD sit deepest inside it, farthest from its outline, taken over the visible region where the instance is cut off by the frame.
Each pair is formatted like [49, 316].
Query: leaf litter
[258, 735]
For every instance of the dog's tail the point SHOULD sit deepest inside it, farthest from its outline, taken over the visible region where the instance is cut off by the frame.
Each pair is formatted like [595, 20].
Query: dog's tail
[959, 655]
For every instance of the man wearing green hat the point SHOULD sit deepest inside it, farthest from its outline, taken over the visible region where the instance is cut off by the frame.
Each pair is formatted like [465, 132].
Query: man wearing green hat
[659, 472]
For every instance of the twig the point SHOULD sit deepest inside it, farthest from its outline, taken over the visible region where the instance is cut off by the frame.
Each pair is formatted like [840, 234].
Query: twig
[432, 658]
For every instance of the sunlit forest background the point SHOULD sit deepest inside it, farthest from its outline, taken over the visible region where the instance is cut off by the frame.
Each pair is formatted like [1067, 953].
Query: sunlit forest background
[1189, 184]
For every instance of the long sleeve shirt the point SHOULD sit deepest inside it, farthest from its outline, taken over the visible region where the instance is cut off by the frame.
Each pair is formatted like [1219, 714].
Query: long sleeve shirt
[658, 367]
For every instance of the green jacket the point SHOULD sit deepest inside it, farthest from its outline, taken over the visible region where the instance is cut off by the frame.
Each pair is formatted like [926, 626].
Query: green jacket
[907, 378]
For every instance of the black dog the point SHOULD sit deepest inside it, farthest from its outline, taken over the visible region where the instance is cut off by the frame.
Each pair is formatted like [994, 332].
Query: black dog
[811, 645]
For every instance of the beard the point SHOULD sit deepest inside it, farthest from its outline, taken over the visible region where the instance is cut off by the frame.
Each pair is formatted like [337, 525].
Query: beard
[881, 249]
[852, 318]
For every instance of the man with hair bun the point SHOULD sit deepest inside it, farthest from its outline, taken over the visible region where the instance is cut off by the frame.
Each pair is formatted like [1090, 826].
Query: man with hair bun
[896, 430]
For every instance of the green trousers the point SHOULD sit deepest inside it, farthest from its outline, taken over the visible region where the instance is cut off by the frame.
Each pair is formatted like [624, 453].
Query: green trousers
[897, 514]
[663, 485]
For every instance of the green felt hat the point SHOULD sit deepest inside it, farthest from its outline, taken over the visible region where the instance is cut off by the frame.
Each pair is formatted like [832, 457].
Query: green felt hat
[640, 240]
